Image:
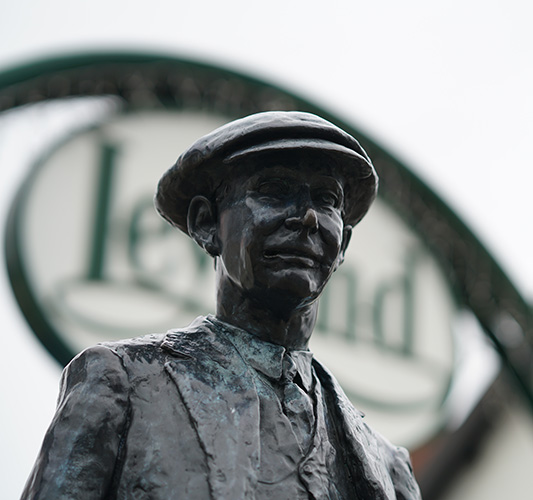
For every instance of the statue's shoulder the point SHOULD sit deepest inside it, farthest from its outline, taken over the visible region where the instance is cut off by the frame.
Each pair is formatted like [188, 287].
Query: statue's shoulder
[132, 347]
[157, 346]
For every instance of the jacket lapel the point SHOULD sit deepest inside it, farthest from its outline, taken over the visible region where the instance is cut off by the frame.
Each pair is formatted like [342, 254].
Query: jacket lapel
[221, 398]
[367, 449]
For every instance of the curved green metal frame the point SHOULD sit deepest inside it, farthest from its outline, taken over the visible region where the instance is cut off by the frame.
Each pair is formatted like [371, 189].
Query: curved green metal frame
[147, 80]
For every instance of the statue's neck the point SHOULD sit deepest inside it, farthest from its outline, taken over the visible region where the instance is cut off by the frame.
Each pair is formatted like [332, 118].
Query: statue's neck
[277, 322]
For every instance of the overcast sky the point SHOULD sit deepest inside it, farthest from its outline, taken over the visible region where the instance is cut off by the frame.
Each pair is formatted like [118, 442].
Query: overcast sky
[446, 86]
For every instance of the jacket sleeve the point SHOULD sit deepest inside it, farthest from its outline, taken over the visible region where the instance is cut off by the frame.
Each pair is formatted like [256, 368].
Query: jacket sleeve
[78, 458]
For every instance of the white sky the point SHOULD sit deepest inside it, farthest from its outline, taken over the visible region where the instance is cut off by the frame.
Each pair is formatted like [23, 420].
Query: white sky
[447, 86]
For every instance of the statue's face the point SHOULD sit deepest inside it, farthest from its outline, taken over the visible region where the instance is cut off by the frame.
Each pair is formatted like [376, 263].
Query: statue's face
[281, 232]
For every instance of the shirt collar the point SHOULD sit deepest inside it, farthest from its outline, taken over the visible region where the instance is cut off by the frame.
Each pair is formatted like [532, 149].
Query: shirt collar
[264, 356]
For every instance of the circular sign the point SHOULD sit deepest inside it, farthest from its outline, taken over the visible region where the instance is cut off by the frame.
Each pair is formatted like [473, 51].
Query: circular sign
[89, 259]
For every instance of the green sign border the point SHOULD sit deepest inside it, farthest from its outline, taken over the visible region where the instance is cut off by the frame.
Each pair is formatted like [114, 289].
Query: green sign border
[147, 80]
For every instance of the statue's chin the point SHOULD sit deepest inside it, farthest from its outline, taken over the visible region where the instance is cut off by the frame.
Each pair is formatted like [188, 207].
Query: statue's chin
[286, 296]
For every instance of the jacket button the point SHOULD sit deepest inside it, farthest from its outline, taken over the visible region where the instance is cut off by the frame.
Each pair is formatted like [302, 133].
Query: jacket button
[307, 469]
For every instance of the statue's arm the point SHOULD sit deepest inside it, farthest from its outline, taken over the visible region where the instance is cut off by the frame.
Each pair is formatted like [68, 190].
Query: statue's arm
[80, 452]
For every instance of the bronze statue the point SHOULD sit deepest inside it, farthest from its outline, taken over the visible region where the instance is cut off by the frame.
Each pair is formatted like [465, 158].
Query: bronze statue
[234, 406]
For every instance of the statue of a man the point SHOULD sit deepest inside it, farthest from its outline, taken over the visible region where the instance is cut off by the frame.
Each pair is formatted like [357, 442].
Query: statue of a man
[234, 406]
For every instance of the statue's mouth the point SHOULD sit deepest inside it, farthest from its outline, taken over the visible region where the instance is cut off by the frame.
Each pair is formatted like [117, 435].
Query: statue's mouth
[292, 256]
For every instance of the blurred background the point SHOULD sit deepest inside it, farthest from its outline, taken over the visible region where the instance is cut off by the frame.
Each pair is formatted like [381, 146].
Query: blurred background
[443, 86]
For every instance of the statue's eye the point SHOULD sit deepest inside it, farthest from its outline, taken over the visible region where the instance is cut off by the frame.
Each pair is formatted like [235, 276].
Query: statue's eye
[327, 198]
[273, 187]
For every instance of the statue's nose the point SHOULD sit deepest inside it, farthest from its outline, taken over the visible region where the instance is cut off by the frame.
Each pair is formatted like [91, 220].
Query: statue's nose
[308, 221]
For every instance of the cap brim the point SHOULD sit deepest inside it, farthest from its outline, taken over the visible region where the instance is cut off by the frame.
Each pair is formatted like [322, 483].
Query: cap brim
[321, 146]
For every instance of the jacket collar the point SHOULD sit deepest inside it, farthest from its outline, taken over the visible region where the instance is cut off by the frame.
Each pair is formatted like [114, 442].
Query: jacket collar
[266, 357]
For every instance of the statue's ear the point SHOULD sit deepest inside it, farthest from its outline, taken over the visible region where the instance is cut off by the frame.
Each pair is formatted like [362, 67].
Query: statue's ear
[346, 235]
[202, 224]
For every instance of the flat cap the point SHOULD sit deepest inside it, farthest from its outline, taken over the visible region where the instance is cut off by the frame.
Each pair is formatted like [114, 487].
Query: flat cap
[213, 158]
